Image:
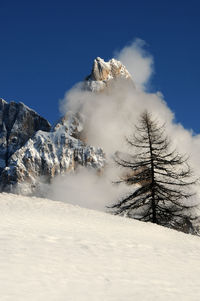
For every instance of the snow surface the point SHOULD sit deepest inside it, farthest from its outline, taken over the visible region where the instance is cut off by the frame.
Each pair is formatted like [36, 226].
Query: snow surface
[58, 252]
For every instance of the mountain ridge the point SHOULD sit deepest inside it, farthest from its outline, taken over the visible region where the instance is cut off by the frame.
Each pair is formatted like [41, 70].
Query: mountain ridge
[30, 148]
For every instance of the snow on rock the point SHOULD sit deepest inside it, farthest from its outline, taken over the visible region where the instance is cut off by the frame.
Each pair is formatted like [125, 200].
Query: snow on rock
[30, 149]
[17, 124]
[55, 251]
[48, 154]
[104, 72]
[71, 123]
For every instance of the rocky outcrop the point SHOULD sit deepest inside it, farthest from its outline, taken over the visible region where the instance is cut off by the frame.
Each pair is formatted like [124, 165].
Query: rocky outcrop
[43, 154]
[104, 72]
[71, 123]
[18, 123]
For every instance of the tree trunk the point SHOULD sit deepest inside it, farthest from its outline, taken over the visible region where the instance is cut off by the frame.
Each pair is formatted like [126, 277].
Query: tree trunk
[153, 204]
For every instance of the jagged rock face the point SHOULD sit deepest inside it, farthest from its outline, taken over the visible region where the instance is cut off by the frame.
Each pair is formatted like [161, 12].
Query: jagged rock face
[71, 123]
[17, 124]
[104, 72]
[47, 154]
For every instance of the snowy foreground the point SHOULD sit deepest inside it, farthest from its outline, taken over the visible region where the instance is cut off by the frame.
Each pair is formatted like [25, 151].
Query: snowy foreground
[52, 251]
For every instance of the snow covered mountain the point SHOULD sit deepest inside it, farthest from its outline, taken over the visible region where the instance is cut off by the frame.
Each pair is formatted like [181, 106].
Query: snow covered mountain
[56, 251]
[17, 124]
[32, 151]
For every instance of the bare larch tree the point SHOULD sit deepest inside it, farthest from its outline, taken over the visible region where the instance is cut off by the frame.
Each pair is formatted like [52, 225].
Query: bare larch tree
[161, 179]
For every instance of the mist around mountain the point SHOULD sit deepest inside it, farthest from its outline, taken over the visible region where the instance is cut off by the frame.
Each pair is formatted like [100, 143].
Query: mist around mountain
[110, 116]
[56, 247]
[72, 161]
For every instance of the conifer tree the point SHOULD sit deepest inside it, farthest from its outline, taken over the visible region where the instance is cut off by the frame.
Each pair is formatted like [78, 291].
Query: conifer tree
[161, 179]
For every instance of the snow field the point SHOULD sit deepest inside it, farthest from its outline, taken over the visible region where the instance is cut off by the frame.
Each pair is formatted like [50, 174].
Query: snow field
[58, 252]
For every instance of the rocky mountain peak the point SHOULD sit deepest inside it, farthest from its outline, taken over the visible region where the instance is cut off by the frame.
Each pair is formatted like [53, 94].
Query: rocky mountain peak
[104, 72]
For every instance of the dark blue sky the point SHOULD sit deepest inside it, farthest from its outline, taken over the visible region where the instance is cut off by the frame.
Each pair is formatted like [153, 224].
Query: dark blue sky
[47, 46]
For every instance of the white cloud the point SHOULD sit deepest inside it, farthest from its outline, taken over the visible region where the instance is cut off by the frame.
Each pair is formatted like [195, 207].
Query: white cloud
[138, 62]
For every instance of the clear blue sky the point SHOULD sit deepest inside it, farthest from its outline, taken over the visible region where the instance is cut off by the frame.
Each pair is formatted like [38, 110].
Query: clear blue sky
[47, 46]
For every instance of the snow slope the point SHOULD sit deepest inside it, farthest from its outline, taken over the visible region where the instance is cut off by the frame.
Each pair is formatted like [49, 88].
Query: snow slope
[58, 252]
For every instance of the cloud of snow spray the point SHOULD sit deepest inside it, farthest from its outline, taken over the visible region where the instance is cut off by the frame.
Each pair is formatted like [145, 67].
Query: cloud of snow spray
[110, 116]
